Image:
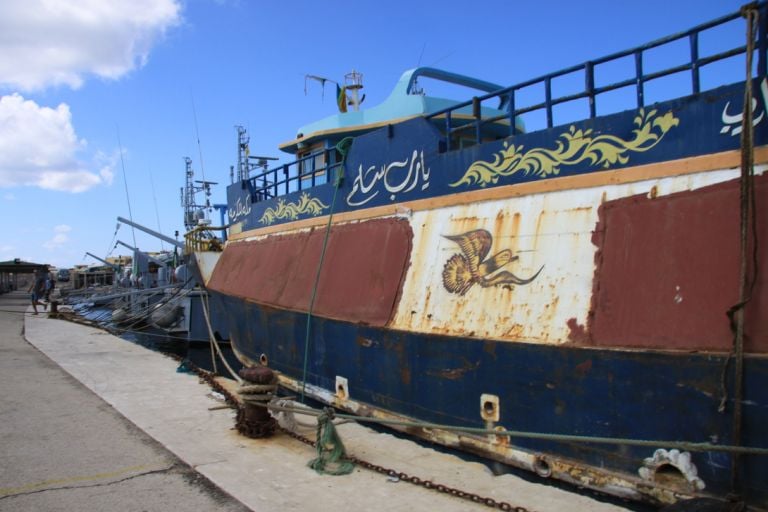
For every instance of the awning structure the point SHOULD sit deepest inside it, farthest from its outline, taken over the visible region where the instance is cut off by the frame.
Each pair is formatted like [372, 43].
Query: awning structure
[16, 267]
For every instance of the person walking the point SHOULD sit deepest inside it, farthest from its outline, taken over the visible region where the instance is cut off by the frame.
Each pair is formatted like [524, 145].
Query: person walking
[37, 289]
[50, 284]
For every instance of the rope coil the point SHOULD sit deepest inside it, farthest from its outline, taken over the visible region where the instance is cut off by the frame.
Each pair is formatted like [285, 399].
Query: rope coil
[331, 455]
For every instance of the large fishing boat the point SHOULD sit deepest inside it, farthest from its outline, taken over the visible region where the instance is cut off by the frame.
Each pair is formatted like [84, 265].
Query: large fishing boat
[588, 293]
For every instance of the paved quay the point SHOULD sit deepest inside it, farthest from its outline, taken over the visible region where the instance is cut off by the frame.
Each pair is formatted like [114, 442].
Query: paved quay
[63, 448]
[92, 422]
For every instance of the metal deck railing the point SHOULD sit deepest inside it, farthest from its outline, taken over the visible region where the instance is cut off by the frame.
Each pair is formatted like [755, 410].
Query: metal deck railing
[303, 173]
[591, 92]
[298, 175]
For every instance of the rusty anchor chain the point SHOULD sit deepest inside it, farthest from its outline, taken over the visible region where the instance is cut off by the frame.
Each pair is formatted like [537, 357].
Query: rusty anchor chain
[427, 484]
[390, 473]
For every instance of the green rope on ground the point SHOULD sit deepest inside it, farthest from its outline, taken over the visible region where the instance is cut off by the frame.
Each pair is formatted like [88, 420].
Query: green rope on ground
[331, 455]
[343, 148]
[184, 367]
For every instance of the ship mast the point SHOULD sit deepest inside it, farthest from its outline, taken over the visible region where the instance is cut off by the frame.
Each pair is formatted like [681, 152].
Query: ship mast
[353, 82]
[193, 212]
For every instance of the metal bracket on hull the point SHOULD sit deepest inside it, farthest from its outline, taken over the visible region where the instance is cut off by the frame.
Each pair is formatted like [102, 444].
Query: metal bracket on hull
[342, 388]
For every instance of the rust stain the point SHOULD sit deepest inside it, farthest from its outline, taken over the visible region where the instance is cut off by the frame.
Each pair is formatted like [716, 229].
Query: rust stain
[455, 373]
[539, 225]
[364, 342]
[405, 375]
[547, 316]
[467, 223]
[489, 347]
[516, 331]
[582, 369]
[578, 333]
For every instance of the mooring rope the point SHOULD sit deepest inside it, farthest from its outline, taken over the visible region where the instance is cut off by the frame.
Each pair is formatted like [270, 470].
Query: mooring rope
[331, 454]
[214, 341]
[343, 148]
[747, 216]
[670, 444]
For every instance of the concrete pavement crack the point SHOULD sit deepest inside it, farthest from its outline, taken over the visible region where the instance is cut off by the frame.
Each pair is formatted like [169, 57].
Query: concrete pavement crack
[168, 469]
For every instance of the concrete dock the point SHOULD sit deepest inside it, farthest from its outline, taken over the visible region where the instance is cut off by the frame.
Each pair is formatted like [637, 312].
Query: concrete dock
[93, 422]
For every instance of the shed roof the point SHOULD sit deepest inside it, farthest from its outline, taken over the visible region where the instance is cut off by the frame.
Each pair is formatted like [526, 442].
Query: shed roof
[18, 266]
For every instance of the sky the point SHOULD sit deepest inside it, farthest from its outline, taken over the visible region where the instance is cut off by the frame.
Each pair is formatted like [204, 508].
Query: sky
[101, 100]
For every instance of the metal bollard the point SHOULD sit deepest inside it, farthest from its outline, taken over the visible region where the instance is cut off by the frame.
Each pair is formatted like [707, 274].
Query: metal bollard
[253, 419]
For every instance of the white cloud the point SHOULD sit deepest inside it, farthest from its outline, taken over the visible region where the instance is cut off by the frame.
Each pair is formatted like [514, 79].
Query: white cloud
[38, 147]
[107, 164]
[60, 237]
[61, 42]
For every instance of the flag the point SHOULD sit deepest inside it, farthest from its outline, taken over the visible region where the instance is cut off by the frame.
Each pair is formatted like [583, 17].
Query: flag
[341, 98]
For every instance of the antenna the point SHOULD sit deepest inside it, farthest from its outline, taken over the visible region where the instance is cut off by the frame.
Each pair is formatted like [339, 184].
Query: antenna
[194, 212]
[242, 153]
[154, 198]
[247, 162]
[125, 182]
[424, 47]
[197, 134]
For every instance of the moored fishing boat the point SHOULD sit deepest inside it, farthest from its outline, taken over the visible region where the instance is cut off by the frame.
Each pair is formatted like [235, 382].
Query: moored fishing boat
[430, 260]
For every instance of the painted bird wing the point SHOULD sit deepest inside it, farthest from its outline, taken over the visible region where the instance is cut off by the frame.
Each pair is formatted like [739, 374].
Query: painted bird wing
[495, 262]
[505, 277]
[475, 245]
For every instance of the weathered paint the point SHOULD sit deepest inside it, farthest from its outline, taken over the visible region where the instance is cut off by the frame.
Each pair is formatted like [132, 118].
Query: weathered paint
[498, 448]
[362, 269]
[205, 263]
[533, 232]
[541, 388]
[445, 346]
[668, 271]
[552, 230]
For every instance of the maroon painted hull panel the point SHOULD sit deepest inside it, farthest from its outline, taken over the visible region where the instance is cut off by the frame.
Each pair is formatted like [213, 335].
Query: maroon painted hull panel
[668, 271]
[281, 270]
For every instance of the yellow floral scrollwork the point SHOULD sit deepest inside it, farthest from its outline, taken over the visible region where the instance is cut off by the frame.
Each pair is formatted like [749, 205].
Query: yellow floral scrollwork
[306, 204]
[573, 147]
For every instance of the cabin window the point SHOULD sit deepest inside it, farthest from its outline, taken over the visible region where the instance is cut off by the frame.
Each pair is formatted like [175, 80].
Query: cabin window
[458, 142]
[312, 162]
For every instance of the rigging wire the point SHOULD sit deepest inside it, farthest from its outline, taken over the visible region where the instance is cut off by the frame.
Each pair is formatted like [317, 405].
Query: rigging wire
[197, 135]
[112, 244]
[157, 213]
[125, 182]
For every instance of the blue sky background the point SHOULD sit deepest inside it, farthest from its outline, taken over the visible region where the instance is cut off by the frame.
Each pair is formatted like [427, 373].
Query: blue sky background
[159, 74]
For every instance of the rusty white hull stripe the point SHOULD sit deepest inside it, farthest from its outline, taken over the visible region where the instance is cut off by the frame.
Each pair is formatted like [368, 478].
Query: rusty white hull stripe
[682, 167]
[552, 230]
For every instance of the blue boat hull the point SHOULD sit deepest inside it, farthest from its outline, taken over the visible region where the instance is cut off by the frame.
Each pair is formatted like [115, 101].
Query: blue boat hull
[582, 391]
